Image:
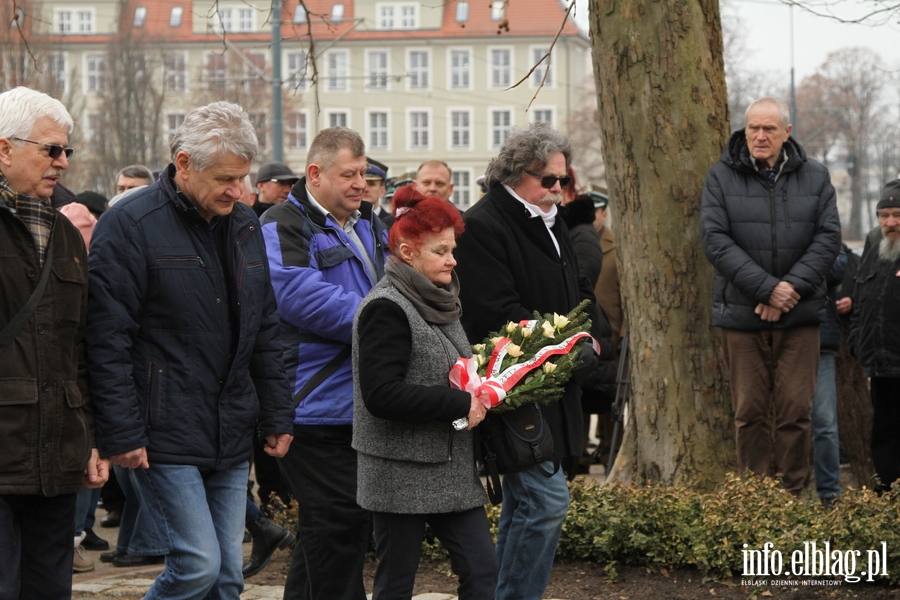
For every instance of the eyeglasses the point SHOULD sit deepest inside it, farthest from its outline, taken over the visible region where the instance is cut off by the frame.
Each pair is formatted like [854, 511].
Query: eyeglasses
[548, 181]
[53, 151]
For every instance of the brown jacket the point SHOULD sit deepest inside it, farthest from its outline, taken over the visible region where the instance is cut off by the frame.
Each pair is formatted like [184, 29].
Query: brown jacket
[46, 419]
[607, 288]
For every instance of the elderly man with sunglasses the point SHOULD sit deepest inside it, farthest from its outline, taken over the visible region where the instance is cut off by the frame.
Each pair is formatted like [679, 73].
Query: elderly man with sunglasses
[46, 416]
[516, 257]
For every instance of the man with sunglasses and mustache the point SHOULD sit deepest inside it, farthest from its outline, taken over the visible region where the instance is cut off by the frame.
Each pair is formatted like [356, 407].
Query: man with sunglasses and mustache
[515, 257]
[47, 449]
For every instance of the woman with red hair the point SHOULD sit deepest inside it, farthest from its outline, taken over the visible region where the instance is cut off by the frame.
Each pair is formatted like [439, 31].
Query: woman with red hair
[414, 467]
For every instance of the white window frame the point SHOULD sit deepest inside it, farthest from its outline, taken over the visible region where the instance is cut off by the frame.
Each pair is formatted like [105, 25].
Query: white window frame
[498, 10]
[140, 16]
[178, 75]
[534, 110]
[386, 147]
[429, 129]
[178, 120]
[381, 72]
[331, 112]
[385, 15]
[175, 16]
[252, 79]
[420, 71]
[339, 81]
[460, 188]
[462, 11]
[246, 19]
[534, 80]
[511, 68]
[293, 70]
[337, 12]
[451, 127]
[409, 16]
[491, 127]
[209, 81]
[299, 14]
[86, 21]
[62, 21]
[302, 133]
[54, 62]
[93, 73]
[451, 69]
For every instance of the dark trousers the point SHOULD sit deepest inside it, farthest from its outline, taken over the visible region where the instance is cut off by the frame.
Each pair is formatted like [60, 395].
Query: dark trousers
[269, 481]
[334, 532]
[886, 429]
[466, 536]
[36, 546]
[773, 369]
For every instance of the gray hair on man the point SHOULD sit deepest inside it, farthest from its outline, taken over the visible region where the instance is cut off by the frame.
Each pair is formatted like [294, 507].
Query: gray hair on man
[136, 172]
[325, 146]
[780, 104]
[527, 148]
[22, 107]
[211, 131]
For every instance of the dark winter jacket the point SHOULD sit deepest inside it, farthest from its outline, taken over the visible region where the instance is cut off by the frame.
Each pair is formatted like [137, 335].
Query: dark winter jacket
[46, 415]
[319, 280]
[167, 370]
[508, 268]
[756, 235]
[830, 332]
[875, 322]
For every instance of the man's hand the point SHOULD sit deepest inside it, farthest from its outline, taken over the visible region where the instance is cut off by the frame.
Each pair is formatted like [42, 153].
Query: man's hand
[784, 297]
[767, 313]
[277, 444]
[97, 471]
[844, 305]
[132, 460]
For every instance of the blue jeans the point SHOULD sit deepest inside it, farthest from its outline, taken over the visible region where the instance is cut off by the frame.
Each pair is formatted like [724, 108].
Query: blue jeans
[200, 517]
[531, 519]
[138, 533]
[85, 507]
[827, 462]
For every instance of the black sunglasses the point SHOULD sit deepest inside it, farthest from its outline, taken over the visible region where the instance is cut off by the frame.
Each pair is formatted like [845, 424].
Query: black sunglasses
[53, 151]
[548, 181]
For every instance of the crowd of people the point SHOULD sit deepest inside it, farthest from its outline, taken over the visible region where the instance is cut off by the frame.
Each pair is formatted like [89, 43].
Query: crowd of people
[169, 337]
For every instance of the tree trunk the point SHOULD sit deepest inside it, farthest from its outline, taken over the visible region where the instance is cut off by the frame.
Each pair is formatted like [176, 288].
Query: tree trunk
[664, 121]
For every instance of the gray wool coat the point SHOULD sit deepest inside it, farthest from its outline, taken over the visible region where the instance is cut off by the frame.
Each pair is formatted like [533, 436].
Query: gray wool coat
[421, 467]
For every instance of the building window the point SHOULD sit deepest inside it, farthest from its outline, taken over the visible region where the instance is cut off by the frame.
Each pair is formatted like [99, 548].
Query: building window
[175, 16]
[85, 21]
[337, 119]
[462, 12]
[63, 21]
[408, 16]
[296, 130]
[497, 10]
[397, 16]
[501, 67]
[543, 115]
[71, 21]
[537, 76]
[337, 72]
[94, 127]
[245, 19]
[460, 64]
[418, 70]
[173, 122]
[296, 66]
[378, 130]
[140, 16]
[337, 13]
[501, 123]
[225, 22]
[299, 14]
[16, 69]
[96, 73]
[419, 138]
[254, 70]
[215, 72]
[386, 17]
[259, 124]
[460, 129]
[174, 65]
[462, 188]
[378, 70]
[58, 69]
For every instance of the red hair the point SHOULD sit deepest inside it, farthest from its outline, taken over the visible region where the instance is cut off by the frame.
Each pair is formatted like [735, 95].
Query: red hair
[415, 216]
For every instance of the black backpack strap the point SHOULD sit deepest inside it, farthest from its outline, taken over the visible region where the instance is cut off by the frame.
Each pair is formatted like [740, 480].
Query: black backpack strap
[492, 479]
[324, 373]
[22, 317]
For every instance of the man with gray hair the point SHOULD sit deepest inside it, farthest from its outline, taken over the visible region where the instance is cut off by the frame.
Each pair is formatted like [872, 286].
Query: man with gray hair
[515, 257]
[770, 228]
[326, 251]
[133, 176]
[184, 353]
[46, 415]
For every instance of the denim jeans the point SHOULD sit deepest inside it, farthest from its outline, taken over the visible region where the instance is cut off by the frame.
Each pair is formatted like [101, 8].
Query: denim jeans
[138, 533]
[200, 516]
[85, 507]
[827, 459]
[531, 520]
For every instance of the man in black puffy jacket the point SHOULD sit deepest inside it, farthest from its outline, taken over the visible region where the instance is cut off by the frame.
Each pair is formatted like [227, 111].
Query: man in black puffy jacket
[770, 228]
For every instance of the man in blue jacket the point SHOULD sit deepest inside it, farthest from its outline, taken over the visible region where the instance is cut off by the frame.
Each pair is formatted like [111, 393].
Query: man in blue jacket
[183, 351]
[326, 251]
[770, 227]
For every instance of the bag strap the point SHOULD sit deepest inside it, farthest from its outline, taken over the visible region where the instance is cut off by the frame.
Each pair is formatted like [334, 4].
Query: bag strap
[14, 327]
[322, 374]
[492, 481]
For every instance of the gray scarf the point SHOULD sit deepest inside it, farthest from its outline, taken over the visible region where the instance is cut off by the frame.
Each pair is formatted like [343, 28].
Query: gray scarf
[437, 304]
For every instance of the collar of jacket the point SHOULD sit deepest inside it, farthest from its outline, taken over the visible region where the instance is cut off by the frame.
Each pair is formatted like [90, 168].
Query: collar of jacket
[298, 196]
[180, 201]
[533, 225]
[737, 155]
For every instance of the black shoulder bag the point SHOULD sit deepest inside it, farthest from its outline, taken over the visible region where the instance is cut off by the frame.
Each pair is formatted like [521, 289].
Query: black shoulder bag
[12, 329]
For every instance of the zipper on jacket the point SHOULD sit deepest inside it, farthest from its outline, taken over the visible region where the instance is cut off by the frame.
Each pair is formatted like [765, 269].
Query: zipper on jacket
[787, 213]
[774, 231]
[180, 259]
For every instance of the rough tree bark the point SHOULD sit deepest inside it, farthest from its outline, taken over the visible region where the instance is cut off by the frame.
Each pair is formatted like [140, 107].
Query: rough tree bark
[664, 120]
